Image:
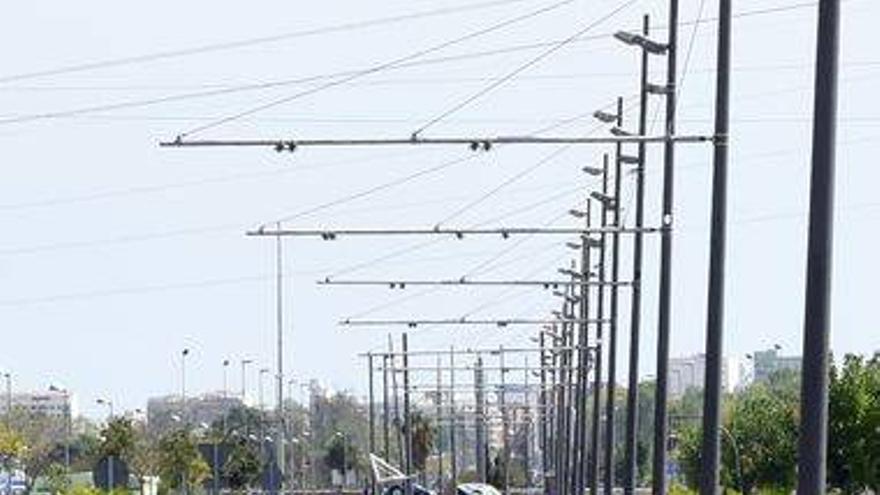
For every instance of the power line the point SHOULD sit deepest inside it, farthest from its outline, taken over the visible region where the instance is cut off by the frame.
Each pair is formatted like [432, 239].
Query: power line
[349, 26]
[518, 70]
[376, 68]
[287, 82]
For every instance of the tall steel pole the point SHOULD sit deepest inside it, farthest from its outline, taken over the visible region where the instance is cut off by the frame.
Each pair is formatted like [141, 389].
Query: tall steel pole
[386, 438]
[478, 419]
[279, 350]
[527, 451]
[452, 424]
[371, 442]
[608, 481]
[711, 448]
[632, 393]
[580, 457]
[543, 414]
[664, 315]
[439, 428]
[505, 425]
[407, 417]
[597, 365]
[814, 376]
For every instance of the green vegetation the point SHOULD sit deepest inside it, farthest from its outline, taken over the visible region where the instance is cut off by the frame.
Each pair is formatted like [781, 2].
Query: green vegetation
[759, 442]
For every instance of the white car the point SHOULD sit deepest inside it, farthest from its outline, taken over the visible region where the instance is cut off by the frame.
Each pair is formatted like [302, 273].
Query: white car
[476, 489]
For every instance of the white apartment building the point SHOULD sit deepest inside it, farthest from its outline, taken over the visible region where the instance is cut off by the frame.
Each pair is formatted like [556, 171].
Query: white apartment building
[690, 371]
[49, 403]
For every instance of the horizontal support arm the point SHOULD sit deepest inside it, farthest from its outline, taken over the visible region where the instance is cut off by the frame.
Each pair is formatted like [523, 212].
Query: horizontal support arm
[474, 143]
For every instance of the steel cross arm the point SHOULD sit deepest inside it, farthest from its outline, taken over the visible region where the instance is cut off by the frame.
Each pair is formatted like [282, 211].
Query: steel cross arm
[401, 284]
[463, 321]
[484, 368]
[486, 351]
[331, 234]
[476, 143]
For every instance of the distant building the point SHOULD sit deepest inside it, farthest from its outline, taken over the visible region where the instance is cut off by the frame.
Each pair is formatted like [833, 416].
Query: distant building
[765, 363]
[164, 413]
[50, 403]
[690, 372]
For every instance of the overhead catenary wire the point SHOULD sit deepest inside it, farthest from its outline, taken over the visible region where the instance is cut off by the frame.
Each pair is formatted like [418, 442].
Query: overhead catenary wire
[377, 68]
[75, 112]
[245, 43]
[518, 70]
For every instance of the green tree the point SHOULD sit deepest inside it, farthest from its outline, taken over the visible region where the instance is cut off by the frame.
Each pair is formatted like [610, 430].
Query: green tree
[180, 462]
[242, 467]
[118, 438]
[759, 444]
[341, 454]
[43, 438]
[57, 479]
[854, 425]
[422, 439]
[144, 456]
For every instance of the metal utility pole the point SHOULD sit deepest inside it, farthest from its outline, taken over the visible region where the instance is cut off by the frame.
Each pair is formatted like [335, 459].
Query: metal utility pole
[814, 376]
[279, 350]
[371, 442]
[401, 457]
[608, 481]
[505, 425]
[479, 398]
[372, 416]
[386, 439]
[439, 429]
[632, 392]
[407, 416]
[452, 422]
[527, 451]
[581, 459]
[664, 322]
[543, 415]
[711, 449]
[600, 314]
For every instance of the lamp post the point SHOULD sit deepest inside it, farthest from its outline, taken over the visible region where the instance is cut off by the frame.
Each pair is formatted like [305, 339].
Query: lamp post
[69, 423]
[260, 402]
[183, 354]
[8, 377]
[109, 404]
[244, 365]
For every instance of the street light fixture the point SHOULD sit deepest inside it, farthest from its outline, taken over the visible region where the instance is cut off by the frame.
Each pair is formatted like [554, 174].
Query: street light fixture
[606, 200]
[594, 171]
[571, 273]
[602, 116]
[629, 159]
[642, 42]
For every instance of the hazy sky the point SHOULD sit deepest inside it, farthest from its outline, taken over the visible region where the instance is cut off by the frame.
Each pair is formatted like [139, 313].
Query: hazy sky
[118, 254]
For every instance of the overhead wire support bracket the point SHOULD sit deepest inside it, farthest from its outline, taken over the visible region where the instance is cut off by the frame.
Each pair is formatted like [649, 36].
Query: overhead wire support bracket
[332, 234]
[475, 143]
[464, 321]
[401, 284]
